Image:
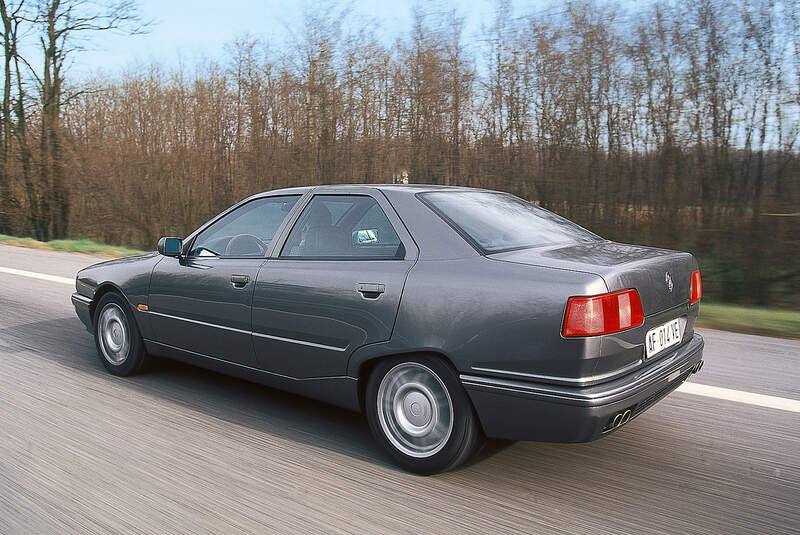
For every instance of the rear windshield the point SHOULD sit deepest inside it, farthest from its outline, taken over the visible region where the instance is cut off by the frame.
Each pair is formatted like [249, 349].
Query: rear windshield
[496, 222]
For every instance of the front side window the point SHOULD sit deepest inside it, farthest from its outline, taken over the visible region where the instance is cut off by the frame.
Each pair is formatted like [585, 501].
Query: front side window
[343, 227]
[246, 231]
[496, 222]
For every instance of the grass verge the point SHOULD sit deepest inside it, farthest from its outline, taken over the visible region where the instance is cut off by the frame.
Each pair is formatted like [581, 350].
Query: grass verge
[751, 320]
[73, 246]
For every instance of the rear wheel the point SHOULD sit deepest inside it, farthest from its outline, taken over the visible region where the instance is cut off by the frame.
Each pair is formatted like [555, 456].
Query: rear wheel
[117, 337]
[418, 411]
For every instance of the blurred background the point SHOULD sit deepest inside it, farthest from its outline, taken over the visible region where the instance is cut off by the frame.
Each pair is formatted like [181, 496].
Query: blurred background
[672, 124]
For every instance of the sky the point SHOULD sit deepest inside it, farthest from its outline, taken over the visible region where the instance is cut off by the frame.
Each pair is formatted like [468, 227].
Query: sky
[186, 30]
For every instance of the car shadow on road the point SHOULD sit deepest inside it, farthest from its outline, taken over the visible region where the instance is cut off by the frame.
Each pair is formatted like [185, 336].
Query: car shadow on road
[66, 342]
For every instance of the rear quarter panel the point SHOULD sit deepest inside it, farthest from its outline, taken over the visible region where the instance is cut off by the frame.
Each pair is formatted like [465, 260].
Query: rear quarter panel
[484, 314]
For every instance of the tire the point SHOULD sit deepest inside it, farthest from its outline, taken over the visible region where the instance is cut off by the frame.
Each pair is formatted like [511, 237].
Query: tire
[117, 337]
[419, 412]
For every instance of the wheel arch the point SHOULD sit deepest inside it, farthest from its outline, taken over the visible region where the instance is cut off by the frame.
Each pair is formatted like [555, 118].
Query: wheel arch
[102, 289]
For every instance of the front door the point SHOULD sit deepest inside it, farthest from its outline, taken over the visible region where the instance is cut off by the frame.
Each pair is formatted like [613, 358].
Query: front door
[334, 285]
[202, 302]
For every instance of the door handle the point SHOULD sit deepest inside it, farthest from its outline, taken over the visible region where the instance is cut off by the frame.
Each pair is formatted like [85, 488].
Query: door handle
[240, 281]
[371, 290]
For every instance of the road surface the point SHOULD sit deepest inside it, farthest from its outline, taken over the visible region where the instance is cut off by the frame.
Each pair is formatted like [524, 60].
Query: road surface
[185, 450]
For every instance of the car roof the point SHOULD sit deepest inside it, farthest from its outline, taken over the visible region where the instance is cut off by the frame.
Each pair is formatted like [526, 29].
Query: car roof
[410, 189]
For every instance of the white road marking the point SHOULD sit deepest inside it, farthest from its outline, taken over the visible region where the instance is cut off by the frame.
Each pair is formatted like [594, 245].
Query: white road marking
[771, 402]
[34, 275]
[727, 394]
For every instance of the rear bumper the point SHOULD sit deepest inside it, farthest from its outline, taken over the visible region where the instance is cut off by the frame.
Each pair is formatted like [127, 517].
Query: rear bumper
[522, 410]
[81, 304]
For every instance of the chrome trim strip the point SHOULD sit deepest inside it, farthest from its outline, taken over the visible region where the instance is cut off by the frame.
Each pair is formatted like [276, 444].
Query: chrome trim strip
[197, 322]
[271, 337]
[301, 342]
[569, 380]
[469, 381]
[82, 298]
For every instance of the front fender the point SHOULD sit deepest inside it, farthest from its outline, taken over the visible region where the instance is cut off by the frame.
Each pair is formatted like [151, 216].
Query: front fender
[128, 276]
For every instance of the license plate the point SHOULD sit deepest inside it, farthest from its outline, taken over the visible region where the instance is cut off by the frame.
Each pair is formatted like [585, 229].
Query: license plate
[662, 337]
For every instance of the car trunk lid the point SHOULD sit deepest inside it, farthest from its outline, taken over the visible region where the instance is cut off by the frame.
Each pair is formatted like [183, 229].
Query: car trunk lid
[661, 276]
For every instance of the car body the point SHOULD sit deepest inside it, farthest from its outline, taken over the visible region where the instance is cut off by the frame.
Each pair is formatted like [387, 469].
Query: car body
[315, 307]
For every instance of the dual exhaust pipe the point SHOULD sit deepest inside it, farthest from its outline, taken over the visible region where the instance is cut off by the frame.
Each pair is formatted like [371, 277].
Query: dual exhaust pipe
[621, 418]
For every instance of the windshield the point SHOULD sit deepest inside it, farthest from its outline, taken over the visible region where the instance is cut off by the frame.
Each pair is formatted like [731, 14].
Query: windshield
[496, 222]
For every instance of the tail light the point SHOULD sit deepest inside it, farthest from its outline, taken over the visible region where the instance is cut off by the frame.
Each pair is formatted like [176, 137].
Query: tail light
[696, 290]
[603, 314]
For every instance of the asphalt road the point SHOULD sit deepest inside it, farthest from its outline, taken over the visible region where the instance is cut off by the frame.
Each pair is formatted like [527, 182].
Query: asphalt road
[184, 450]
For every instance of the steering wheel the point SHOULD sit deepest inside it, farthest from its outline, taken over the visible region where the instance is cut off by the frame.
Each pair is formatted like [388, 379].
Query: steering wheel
[245, 245]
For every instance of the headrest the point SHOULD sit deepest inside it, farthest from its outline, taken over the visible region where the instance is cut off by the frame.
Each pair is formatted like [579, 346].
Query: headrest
[319, 216]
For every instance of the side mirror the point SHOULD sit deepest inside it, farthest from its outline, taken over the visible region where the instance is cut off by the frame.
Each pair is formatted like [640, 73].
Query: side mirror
[170, 246]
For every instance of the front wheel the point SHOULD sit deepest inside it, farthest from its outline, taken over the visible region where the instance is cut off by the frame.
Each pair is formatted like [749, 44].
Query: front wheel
[117, 337]
[418, 411]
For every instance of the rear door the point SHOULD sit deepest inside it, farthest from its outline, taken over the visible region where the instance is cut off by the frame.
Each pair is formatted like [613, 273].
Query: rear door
[201, 303]
[333, 285]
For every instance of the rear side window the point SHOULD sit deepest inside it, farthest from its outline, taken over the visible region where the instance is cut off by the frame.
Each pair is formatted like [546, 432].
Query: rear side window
[343, 227]
[495, 222]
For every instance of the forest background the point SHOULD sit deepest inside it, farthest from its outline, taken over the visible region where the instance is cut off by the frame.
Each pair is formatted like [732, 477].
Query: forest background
[673, 124]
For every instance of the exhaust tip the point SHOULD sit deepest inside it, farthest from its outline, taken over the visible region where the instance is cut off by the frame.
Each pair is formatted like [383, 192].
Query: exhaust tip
[617, 420]
[626, 416]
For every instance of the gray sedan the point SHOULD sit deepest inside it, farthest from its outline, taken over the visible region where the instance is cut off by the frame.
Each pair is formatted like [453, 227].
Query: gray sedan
[446, 314]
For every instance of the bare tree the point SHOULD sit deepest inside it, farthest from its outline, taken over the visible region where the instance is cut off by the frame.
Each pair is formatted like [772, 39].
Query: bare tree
[63, 24]
[12, 17]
